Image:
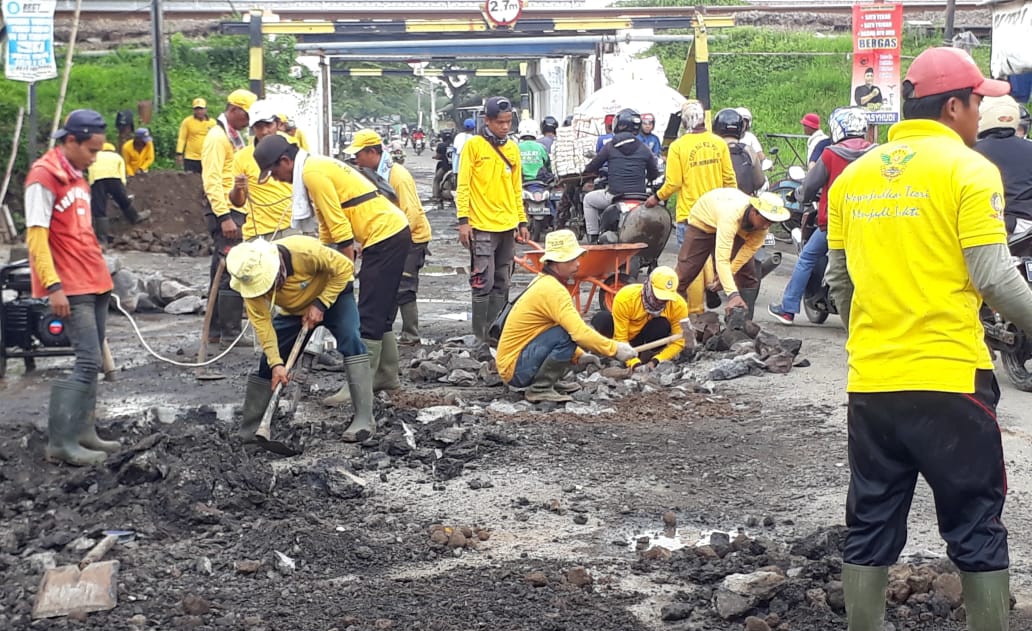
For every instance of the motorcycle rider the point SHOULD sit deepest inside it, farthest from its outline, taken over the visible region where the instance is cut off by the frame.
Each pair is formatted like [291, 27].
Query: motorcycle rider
[730, 125]
[549, 125]
[533, 155]
[748, 137]
[998, 141]
[606, 137]
[418, 137]
[469, 127]
[651, 140]
[631, 166]
[848, 127]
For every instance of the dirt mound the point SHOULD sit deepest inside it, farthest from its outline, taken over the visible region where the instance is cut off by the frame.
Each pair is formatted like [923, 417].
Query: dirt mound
[176, 226]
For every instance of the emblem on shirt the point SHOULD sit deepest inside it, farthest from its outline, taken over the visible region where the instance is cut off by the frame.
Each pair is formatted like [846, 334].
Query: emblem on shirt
[996, 201]
[895, 162]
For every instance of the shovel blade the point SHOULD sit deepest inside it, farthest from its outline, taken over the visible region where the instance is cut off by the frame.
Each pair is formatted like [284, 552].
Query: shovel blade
[276, 446]
[67, 589]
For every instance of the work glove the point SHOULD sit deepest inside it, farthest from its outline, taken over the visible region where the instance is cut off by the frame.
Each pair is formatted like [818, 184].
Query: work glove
[625, 351]
[587, 359]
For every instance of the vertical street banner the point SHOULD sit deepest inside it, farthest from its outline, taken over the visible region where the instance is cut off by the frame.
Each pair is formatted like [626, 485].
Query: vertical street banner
[877, 43]
[30, 39]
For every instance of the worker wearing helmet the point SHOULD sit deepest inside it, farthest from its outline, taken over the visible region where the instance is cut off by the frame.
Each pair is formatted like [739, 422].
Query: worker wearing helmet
[549, 126]
[469, 129]
[533, 155]
[748, 137]
[730, 125]
[848, 136]
[631, 166]
[651, 140]
[999, 118]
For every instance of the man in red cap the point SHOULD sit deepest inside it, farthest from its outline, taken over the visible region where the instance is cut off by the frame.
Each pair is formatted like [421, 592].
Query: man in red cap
[817, 142]
[917, 242]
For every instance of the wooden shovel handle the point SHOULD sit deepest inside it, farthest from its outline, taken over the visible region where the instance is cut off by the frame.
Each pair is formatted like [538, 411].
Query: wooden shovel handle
[209, 311]
[299, 344]
[98, 551]
[686, 332]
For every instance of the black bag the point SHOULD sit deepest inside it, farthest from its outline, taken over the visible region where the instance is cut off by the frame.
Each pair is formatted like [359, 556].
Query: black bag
[494, 331]
[383, 187]
[744, 169]
[124, 120]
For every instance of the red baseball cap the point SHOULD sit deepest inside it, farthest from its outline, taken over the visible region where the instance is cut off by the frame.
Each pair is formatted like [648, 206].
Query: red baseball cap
[944, 69]
[811, 120]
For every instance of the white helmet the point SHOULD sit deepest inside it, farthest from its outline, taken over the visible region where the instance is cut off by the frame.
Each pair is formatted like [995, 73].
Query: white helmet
[746, 114]
[528, 127]
[692, 114]
[847, 122]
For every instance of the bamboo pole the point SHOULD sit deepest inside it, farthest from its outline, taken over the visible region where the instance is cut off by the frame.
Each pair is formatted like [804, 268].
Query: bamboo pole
[11, 230]
[67, 72]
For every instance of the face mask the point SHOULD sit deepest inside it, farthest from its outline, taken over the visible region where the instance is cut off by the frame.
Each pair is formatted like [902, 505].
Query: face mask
[490, 136]
[653, 306]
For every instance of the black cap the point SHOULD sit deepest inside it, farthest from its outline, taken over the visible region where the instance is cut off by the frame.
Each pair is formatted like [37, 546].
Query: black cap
[81, 122]
[268, 152]
[496, 105]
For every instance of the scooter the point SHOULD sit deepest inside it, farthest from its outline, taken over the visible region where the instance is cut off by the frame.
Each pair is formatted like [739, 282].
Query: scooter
[789, 184]
[1013, 344]
[444, 177]
[628, 220]
[536, 196]
[419, 144]
[817, 301]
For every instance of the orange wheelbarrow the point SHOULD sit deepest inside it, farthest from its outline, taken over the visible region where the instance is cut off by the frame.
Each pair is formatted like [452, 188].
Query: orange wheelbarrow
[605, 267]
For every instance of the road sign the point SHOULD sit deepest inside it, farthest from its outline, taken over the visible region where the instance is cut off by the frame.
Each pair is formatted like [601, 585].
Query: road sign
[30, 39]
[503, 12]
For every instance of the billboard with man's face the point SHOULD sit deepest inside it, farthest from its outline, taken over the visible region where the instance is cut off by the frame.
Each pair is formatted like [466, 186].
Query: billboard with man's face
[877, 42]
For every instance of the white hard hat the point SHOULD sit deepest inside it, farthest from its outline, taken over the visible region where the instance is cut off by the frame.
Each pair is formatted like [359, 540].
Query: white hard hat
[528, 127]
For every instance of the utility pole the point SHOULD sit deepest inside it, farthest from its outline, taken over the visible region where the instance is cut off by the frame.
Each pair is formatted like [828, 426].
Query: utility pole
[951, 9]
[157, 38]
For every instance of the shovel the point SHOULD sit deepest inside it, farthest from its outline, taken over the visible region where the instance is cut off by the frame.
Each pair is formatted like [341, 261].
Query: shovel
[83, 588]
[203, 374]
[263, 433]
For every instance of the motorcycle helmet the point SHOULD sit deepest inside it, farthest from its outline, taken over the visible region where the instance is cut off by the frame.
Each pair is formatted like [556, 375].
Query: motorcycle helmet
[568, 121]
[549, 124]
[648, 118]
[728, 123]
[528, 129]
[627, 120]
[747, 115]
[469, 124]
[847, 122]
[447, 134]
[998, 112]
[693, 116]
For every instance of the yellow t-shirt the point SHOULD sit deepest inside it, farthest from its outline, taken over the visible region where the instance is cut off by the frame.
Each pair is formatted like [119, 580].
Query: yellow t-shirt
[630, 317]
[720, 211]
[545, 304]
[331, 183]
[109, 165]
[137, 160]
[268, 207]
[408, 199]
[903, 213]
[191, 136]
[217, 170]
[696, 164]
[488, 192]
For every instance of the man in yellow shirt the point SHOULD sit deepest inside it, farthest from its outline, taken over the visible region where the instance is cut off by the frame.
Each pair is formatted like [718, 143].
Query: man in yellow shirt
[295, 134]
[489, 204]
[730, 226]
[107, 180]
[916, 242]
[138, 152]
[192, 131]
[349, 208]
[223, 221]
[646, 312]
[367, 147]
[544, 332]
[286, 284]
[697, 163]
[266, 204]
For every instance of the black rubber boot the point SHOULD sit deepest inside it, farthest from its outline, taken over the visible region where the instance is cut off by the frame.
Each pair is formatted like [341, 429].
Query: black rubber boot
[67, 416]
[864, 589]
[481, 319]
[987, 600]
[231, 311]
[750, 296]
[256, 400]
[543, 387]
[409, 324]
[386, 376]
[102, 228]
[360, 382]
[88, 436]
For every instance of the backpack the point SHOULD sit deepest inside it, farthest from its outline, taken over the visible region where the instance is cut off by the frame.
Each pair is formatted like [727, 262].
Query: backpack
[744, 168]
[383, 187]
[124, 119]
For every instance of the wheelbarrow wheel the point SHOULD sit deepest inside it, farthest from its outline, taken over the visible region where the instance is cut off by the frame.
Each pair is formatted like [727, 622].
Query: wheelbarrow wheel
[616, 282]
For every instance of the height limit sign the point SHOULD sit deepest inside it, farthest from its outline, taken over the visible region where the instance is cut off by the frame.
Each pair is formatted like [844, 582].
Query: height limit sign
[30, 39]
[502, 13]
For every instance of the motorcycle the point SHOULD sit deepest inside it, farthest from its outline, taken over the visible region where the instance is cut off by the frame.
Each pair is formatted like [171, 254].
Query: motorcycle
[1013, 344]
[783, 232]
[536, 196]
[817, 301]
[628, 220]
[419, 144]
[398, 156]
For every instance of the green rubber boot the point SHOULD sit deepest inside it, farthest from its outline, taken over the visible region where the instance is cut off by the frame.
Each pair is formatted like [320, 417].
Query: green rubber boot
[88, 436]
[481, 318]
[360, 382]
[543, 387]
[67, 415]
[386, 377]
[864, 589]
[256, 399]
[409, 324]
[987, 600]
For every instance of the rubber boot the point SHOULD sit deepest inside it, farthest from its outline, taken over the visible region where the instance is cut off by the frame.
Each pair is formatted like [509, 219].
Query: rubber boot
[102, 228]
[481, 320]
[231, 311]
[750, 296]
[592, 239]
[864, 589]
[543, 387]
[409, 324]
[139, 217]
[340, 397]
[386, 376]
[67, 416]
[360, 381]
[256, 400]
[987, 600]
[88, 436]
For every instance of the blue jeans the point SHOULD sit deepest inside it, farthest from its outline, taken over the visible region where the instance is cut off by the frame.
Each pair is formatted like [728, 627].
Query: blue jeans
[681, 227]
[341, 319]
[555, 343]
[86, 326]
[816, 247]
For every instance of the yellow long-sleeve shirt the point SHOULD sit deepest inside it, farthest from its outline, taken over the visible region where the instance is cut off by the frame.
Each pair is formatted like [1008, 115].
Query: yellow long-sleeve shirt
[696, 164]
[630, 317]
[330, 184]
[217, 170]
[108, 165]
[545, 304]
[314, 273]
[408, 199]
[489, 193]
[268, 207]
[137, 160]
[720, 211]
[191, 136]
[298, 138]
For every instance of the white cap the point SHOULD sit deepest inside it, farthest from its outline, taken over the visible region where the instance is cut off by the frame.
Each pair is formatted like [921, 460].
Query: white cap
[262, 112]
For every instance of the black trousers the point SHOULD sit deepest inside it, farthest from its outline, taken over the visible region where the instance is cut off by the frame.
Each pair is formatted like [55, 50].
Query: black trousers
[654, 329]
[113, 188]
[378, 280]
[953, 441]
[192, 166]
[221, 244]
